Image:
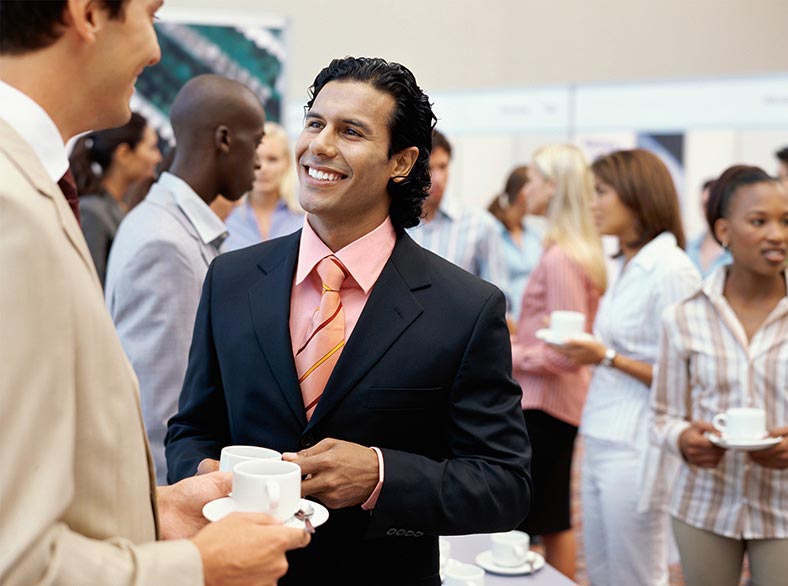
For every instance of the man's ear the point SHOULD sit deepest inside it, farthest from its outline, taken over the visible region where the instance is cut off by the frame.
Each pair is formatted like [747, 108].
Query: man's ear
[86, 18]
[403, 163]
[222, 139]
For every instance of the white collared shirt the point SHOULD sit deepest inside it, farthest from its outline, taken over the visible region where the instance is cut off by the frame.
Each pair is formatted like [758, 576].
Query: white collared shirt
[208, 225]
[617, 407]
[35, 126]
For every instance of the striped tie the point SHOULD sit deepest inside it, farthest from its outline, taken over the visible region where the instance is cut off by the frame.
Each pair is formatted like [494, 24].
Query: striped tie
[316, 358]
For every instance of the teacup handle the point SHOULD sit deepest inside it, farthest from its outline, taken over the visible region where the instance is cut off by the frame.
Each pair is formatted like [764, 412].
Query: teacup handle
[273, 492]
[719, 421]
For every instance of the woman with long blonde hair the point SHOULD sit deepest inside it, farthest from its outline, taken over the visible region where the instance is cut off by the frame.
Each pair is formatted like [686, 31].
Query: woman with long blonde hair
[571, 275]
[269, 210]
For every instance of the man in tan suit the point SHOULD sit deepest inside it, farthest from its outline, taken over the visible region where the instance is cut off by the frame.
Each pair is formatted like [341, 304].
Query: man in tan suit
[78, 503]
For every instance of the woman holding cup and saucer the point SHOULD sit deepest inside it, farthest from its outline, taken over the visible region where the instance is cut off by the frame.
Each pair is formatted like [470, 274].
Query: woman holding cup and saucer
[726, 349]
[625, 526]
[569, 276]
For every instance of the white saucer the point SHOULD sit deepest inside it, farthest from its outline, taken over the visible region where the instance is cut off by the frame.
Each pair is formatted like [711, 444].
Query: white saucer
[747, 445]
[534, 564]
[547, 335]
[215, 510]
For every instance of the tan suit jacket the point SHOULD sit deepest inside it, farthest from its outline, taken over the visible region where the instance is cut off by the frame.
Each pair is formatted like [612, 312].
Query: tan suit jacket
[77, 494]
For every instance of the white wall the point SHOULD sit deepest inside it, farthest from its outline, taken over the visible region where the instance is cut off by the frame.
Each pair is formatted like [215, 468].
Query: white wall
[498, 72]
[460, 44]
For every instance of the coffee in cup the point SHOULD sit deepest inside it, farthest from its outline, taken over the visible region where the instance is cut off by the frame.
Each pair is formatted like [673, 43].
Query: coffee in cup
[232, 455]
[510, 549]
[267, 486]
[741, 423]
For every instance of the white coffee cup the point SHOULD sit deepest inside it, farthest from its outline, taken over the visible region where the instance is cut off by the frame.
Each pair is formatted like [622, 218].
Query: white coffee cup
[232, 455]
[741, 423]
[510, 549]
[458, 574]
[444, 549]
[565, 324]
[267, 486]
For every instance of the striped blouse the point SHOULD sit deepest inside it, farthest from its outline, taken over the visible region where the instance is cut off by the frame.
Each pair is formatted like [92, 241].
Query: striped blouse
[706, 366]
[550, 382]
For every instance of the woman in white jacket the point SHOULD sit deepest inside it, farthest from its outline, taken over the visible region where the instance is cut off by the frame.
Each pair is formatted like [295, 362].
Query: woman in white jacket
[626, 534]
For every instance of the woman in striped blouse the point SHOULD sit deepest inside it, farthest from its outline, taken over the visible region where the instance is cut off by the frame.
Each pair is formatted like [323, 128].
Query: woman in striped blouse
[727, 346]
[569, 276]
[626, 539]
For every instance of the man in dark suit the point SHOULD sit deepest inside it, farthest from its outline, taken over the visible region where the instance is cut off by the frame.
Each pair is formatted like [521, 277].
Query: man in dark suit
[414, 375]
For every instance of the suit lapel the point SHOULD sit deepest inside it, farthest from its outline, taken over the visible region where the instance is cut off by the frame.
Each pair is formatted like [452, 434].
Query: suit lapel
[23, 157]
[389, 311]
[269, 302]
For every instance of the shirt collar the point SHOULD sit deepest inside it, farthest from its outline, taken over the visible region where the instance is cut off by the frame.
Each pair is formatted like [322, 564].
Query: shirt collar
[714, 285]
[35, 126]
[208, 225]
[364, 258]
[650, 255]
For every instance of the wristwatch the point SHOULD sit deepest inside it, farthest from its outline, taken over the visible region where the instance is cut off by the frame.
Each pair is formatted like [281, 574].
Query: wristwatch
[610, 356]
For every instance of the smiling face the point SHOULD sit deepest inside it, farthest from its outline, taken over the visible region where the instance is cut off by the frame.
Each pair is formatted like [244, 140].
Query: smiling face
[123, 47]
[756, 228]
[343, 162]
[611, 216]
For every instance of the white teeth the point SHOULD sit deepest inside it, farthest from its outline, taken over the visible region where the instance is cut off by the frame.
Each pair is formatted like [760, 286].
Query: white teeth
[774, 255]
[323, 176]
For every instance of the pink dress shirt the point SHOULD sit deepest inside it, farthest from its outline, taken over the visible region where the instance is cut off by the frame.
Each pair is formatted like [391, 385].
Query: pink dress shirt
[550, 382]
[364, 259]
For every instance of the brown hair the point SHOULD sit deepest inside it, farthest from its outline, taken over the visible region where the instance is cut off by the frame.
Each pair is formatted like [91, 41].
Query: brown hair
[644, 185]
[27, 26]
[502, 202]
[725, 187]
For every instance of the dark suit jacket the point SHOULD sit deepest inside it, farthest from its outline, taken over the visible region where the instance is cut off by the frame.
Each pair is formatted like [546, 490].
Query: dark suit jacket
[425, 377]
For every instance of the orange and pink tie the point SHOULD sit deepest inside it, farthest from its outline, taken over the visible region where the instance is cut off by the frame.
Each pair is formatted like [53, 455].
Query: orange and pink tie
[316, 358]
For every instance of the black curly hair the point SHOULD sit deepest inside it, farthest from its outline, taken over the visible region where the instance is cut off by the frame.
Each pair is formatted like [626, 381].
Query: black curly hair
[411, 124]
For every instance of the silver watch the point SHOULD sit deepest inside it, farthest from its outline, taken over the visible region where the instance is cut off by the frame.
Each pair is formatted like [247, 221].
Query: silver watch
[610, 356]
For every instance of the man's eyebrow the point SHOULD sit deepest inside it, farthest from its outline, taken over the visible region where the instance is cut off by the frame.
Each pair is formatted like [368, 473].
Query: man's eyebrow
[356, 122]
[349, 121]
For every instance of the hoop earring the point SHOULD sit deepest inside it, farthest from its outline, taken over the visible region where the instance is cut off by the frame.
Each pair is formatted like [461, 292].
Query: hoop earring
[725, 245]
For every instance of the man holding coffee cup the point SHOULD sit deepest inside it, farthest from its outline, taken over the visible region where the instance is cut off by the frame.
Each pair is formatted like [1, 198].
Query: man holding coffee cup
[381, 369]
[79, 501]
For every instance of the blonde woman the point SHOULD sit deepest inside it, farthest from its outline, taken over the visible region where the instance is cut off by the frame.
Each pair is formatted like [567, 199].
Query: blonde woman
[269, 209]
[570, 276]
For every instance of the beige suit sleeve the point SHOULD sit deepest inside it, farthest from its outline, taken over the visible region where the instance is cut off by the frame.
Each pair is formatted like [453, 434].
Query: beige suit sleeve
[47, 534]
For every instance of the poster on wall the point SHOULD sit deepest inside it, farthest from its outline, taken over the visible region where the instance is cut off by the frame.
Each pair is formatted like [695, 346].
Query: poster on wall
[252, 51]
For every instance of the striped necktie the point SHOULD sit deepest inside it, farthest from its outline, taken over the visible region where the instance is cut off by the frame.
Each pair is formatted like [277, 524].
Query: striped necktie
[315, 360]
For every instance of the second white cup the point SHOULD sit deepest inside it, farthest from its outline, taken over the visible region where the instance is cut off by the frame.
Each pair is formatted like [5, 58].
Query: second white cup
[565, 324]
[267, 486]
[232, 455]
[741, 423]
[459, 574]
[510, 549]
